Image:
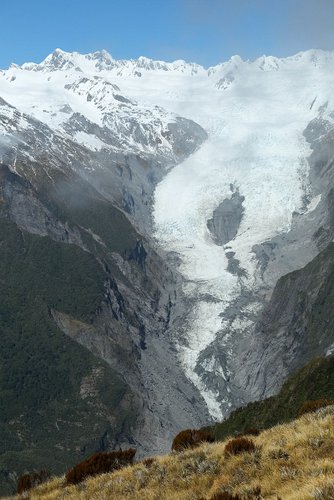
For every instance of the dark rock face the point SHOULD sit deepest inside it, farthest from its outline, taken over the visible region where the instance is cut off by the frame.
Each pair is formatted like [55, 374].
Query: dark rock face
[20, 204]
[298, 323]
[226, 219]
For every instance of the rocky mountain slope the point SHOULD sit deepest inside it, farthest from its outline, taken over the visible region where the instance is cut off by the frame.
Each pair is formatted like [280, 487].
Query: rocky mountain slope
[148, 210]
[312, 382]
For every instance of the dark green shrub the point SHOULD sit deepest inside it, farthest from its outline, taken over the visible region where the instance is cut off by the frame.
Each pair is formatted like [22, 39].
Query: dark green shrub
[190, 438]
[100, 463]
[28, 481]
[312, 406]
[239, 445]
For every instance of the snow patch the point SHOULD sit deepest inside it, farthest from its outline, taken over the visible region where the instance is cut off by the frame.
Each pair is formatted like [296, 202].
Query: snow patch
[89, 140]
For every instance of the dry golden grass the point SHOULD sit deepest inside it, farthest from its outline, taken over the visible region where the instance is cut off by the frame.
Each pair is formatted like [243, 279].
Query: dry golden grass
[292, 461]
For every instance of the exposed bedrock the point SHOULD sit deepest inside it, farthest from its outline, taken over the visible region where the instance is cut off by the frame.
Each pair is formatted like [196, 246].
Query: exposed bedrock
[226, 219]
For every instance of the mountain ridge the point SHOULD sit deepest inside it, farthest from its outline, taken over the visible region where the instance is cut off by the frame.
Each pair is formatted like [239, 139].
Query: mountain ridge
[178, 64]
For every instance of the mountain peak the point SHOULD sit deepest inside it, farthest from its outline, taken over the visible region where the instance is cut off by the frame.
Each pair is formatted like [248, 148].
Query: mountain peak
[61, 60]
[57, 60]
[102, 56]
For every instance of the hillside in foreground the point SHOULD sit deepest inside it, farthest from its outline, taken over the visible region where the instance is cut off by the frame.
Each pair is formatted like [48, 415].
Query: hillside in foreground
[290, 461]
[313, 381]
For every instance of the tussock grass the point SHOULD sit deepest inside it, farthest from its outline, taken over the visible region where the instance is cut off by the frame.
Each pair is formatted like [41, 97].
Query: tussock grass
[291, 461]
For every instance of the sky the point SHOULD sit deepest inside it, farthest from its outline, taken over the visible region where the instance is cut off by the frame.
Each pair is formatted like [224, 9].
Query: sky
[203, 31]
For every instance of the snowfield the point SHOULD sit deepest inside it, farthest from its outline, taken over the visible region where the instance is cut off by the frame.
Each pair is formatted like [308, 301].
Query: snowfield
[254, 112]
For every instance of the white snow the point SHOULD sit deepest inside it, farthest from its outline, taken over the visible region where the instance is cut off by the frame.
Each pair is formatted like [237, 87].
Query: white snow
[44, 94]
[89, 140]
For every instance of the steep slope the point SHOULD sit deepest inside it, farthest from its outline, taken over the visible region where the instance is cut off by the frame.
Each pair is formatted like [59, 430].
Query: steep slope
[312, 382]
[58, 401]
[291, 461]
[296, 324]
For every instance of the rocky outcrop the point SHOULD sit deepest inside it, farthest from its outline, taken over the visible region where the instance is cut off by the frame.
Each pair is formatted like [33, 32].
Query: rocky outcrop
[226, 219]
[296, 325]
[21, 205]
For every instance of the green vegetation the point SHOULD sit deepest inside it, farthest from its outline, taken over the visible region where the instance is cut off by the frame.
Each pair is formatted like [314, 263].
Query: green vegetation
[76, 202]
[60, 276]
[314, 381]
[58, 402]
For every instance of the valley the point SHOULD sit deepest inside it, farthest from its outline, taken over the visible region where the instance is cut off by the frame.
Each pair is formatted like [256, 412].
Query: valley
[182, 200]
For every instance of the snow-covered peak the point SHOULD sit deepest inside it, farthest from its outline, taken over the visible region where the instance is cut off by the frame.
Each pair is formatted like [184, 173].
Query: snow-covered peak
[58, 60]
[179, 65]
[62, 60]
[220, 76]
[312, 55]
[77, 95]
[94, 84]
[101, 56]
[101, 61]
